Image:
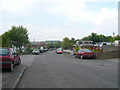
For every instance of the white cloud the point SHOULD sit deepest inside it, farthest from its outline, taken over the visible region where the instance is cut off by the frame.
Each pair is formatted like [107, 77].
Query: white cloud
[25, 7]
[21, 5]
[17, 7]
[103, 21]
[78, 12]
[43, 32]
[103, 15]
[51, 33]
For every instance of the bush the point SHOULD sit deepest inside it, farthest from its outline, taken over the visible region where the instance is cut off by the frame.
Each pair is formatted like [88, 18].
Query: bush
[76, 48]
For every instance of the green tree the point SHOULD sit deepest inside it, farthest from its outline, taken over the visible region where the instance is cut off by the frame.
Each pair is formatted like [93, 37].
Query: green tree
[50, 45]
[5, 40]
[19, 36]
[73, 40]
[28, 48]
[99, 38]
[117, 37]
[54, 45]
[0, 40]
[57, 45]
[67, 43]
[16, 36]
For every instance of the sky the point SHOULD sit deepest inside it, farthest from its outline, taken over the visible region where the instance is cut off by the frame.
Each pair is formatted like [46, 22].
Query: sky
[56, 19]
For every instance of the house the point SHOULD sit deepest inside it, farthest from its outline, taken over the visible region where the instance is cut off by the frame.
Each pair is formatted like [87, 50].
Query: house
[88, 44]
[101, 44]
[38, 44]
[52, 41]
[85, 43]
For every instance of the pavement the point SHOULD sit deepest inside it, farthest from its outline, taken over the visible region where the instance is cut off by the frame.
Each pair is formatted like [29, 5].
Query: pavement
[51, 70]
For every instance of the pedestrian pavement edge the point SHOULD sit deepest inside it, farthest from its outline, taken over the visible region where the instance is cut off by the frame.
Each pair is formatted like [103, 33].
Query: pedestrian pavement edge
[18, 79]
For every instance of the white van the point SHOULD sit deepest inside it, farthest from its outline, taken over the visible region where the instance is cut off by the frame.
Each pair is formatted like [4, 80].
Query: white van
[117, 43]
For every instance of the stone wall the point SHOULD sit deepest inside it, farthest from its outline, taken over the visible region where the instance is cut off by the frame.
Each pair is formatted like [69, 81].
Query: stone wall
[108, 54]
[110, 48]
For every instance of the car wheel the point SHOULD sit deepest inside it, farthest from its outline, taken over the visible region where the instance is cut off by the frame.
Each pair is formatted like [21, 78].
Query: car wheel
[11, 67]
[81, 56]
[94, 57]
[75, 56]
[19, 62]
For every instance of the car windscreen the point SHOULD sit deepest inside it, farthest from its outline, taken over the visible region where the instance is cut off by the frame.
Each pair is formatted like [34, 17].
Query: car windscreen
[86, 50]
[4, 52]
[59, 50]
[36, 50]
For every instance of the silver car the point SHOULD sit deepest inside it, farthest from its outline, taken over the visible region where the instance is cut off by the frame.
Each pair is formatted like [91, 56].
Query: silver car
[36, 51]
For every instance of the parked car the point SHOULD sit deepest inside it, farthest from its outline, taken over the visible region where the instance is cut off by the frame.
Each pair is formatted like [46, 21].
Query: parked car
[50, 49]
[59, 51]
[84, 53]
[45, 50]
[41, 50]
[36, 51]
[9, 58]
[117, 43]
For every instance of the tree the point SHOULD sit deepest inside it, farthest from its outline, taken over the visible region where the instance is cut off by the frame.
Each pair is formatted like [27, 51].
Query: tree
[16, 36]
[57, 45]
[117, 37]
[99, 38]
[67, 43]
[54, 45]
[0, 40]
[50, 45]
[19, 36]
[73, 40]
[5, 40]
[28, 48]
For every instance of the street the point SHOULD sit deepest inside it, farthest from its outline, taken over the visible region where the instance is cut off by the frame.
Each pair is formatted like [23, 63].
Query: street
[44, 43]
[51, 70]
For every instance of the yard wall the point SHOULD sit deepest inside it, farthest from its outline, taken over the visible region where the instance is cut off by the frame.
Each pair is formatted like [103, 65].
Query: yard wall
[108, 54]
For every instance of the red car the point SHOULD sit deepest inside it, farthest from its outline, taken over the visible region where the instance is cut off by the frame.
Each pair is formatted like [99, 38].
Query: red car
[9, 58]
[84, 53]
[59, 51]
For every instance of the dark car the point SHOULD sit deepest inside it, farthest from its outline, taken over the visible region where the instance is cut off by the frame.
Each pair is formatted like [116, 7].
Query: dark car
[41, 50]
[9, 58]
[50, 49]
[59, 51]
[36, 51]
[44, 50]
[84, 53]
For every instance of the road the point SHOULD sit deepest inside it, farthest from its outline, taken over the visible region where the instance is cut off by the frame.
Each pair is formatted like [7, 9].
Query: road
[51, 70]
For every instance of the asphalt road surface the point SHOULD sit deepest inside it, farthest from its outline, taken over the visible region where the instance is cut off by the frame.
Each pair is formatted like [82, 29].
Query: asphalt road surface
[51, 70]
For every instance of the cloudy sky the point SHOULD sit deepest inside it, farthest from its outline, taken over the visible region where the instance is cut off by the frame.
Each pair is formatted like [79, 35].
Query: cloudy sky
[56, 19]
